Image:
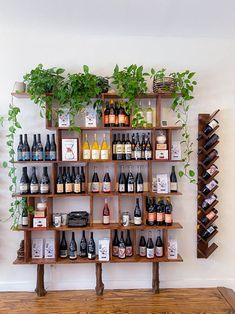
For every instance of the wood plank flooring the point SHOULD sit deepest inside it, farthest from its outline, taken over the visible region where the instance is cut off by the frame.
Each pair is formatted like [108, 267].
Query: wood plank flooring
[169, 301]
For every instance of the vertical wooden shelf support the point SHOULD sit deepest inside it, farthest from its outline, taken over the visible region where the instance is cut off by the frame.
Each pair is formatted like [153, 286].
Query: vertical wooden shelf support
[99, 288]
[155, 278]
[40, 290]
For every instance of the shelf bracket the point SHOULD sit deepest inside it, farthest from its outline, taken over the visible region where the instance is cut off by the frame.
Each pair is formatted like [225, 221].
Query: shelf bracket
[40, 290]
[99, 288]
[155, 278]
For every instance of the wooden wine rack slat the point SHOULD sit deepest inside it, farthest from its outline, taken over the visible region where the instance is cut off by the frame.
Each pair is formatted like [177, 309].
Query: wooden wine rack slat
[204, 250]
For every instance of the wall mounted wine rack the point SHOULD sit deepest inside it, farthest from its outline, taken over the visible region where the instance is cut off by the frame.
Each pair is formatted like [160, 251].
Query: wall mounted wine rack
[207, 184]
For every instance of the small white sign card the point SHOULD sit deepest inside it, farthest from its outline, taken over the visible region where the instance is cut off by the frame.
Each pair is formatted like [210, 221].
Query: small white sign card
[69, 149]
[176, 150]
[49, 248]
[104, 250]
[162, 183]
[90, 117]
[172, 249]
[37, 248]
[64, 119]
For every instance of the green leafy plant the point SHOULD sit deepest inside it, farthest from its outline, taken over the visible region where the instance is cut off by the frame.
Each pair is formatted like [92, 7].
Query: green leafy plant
[130, 83]
[1, 120]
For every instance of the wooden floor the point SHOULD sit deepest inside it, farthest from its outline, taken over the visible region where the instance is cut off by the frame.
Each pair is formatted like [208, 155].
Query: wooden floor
[209, 300]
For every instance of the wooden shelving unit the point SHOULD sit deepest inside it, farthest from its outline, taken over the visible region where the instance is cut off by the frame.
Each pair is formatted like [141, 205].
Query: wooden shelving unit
[60, 132]
[204, 248]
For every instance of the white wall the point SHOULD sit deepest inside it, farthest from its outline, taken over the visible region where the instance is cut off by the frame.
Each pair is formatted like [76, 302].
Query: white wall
[213, 60]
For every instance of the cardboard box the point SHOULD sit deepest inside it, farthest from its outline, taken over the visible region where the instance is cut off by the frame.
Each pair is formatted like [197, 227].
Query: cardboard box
[176, 151]
[49, 251]
[37, 248]
[90, 117]
[39, 222]
[172, 249]
[103, 250]
[162, 154]
[64, 119]
[161, 146]
[162, 183]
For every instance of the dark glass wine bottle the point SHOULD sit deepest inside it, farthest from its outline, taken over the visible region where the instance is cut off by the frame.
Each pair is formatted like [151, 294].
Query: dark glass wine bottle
[20, 149]
[115, 246]
[123, 147]
[121, 247]
[95, 182]
[39, 149]
[25, 149]
[64, 174]
[128, 244]
[34, 186]
[73, 177]
[24, 214]
[106, 185]
[73, 248]
[111, 115]
[116, 114]
[209, 187]
[119, 148]
[106, 115]
[148, 154]
[209, 158]
[83, 179]
[133, 147]
[137, 214]
[128, 148]
[142, 246]
[160, 210]
[60, 182]
[34, 147]
[68, 182]
[173, 181]
[168, 213]
[106, 213]
[208, 232]
[151, 213]
[150, 246]
[122, 181]
[211, 126]
[47, 148]
[209, 172]
[53, 150]
[159, 245]
[138, 150]
[45, 182]
[91, 248]
[114, 147]
[211, 141]
[205, 219]
[139, 182]
[209, 201]
[24, 182]
[78, 182]
[130, 181]
[143, 146]
[121, 117]
[83, 245]
[63, 246]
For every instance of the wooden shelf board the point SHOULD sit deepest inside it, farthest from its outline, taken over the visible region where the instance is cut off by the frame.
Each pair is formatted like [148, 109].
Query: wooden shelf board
[36, 162]
[140, 259]
[116, 129]
[20, 95]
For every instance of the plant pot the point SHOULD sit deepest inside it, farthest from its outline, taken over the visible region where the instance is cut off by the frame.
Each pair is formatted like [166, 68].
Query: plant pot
[165, 84]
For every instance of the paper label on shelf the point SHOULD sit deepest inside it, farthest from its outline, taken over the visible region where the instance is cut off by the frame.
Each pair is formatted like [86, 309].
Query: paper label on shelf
[86, 154]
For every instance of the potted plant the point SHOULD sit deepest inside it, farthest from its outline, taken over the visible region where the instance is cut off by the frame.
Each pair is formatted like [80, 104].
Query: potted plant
[161, 82]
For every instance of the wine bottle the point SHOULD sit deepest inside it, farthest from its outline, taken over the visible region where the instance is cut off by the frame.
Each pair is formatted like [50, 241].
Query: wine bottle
[104, 152]
[122, 181]
[208, 232]
[95, 149]
[210, 157]
[73, 248]
[209, 187]
[60, 182]
[116, 115]
[123, 147]
[111, 114]
[121, 247]
[53, 151]
[106, 115]
[142, 246]
[209, 201]
[114, 147]
[63, 246]
[83, 245]
[150, 246]
[78, 182]
[86, 149]
[149, 116]
[34, 186]
[106, 213]
[130, 181]
[139, 182]
[159, 245]
[25, 149]
[47, 148]
[133, 147]
[205, 219]
[68, 182]
[91, 248]
[45, 182]
[20, 149]
[24, 182]
[128, 244]
[168, 213]
[137, 214]
[106, 186]
[173, 181]
[119, 148]
[143, 146]
[151, 213]
[115, 246]
[211, 141]
[148, 154]
[211, 126]
[73, 177]
[160, 210]
[121, 117]
[24, 214]
[128, 148]
[141, 115]
[34, 148]
[39, 149]
[64, 174]
[83, 179]
[138, 149]
[209, 172]
[95, 183]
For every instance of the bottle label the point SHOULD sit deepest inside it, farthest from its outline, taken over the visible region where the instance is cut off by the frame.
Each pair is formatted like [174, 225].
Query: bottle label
[168, 218]
[150, 253]
[173, 186]
[95, 187]
[211, 215]
[139, 187]
[129, 251]
[106, 119]
[33, 156]
[211, 170]
[91, 255]
[72, 254]
[23, 187]
[39, 155]
[159, 251]
[106, 187]
[47, 156]
[132, 154]
[210, 199]
[160, 217]
[114, 149]
[213, 124]
[121, 187]
[130, 187]
[115, 250]
[26, 156]
[34, 188]
[104, 154]
[119, 149]
[148, 154]
[95, 154]
[60, 188]
[52, 155]
[137, 220]
[77, 188]
[63, 253]
[151, 217]
[211, 185]
[19, 156]
[83, 186]
[86, 154]
[149, 117]
[121, 119]
[68, 187]
[137, 154]
[44, 188]
[142, 250]
[112, 118]
[25, 221]
[127, 148]
[106, 220]
[121, 252]
[211, 229]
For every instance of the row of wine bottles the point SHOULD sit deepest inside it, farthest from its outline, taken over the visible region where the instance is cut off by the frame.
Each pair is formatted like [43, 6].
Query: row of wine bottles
[129, 184]
[124, 149]
[159, 212]
[33, 185]
[95, 151]
[37, 152]
[70, 182]
[115, 115]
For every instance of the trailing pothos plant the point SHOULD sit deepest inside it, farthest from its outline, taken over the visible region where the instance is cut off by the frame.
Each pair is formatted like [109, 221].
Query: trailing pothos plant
[130, 83]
